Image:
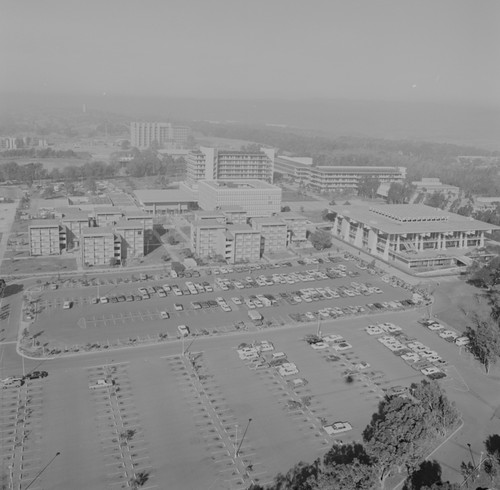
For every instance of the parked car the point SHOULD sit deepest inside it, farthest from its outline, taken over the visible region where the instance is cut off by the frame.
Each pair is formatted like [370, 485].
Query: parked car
[164, 315]
[37, 375]
[183, 330]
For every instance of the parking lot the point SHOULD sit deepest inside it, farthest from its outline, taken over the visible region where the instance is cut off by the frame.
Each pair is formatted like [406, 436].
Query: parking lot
[283, 295]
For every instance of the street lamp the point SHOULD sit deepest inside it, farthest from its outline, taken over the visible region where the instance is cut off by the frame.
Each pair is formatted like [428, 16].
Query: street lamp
[42, 470]
[242, 438]
[471, 455]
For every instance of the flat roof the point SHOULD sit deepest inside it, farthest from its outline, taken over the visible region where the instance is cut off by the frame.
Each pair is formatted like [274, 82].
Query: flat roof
[107, 210]
[75, 216]
[208, 223]
[242, 227]
[44, 223]
[238, 184]
[390, 218]
[163, 196]
[209, 213]
[129, 224]
[98, 231]
[268, 221]
[292, 216]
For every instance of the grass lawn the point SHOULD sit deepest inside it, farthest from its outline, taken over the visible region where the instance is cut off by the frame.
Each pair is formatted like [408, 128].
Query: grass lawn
[39, 264]
[294, 196]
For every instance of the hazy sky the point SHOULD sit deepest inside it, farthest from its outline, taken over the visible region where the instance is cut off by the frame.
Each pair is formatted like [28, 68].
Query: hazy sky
[358, 49]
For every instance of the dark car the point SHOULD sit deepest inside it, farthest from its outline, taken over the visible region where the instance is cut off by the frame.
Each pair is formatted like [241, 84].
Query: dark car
[113, 299]
[204, 304]
[212, 303]
[121, 299]
[37, 375]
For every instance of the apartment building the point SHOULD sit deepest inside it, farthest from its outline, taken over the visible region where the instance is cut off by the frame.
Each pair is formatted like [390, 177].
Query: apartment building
[331, 177]
[214, 164]
[274, 234]
[75, 222]
[164, 135]
[46, 237]
[297, 227]
[100, 245]
[133, 238]
[235, 215]
[242, 244]
[146, 220]
[107, 215]
[256, 197]
[207, 237]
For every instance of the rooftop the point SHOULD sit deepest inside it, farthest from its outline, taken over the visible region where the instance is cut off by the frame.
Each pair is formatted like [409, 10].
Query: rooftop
[98, 231]
[238, 184]
[129, 224]
[241, 227]
[269, 221]
[410, 218]
[107, 210]
[44, 223]
[208, 223]
[150, 196]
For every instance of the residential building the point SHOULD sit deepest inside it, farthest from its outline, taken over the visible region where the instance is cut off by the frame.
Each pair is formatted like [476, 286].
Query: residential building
[214, 164]
[256, 197]
[164, 201]
[140, 217]
[274, 234]
[164, 135]
[331, 177]
[415, 236]
[242, 244]
[75, 221]
[107, 215]
[46, 237]
[99, 246]
[297, 227]
[235, 215]
[207, 237]
[133, 238]
[218, 216]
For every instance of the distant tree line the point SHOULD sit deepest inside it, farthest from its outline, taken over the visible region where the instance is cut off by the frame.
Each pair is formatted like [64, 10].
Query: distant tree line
[40, 153]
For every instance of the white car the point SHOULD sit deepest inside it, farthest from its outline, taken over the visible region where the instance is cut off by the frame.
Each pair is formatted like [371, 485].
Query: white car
[319, 345]
[142, 290]
[362, 365]
[337, 428]
[389, 327]
[430, 370]
[266, 347]
[332, 338]
[449, 334]
[248, 353]
[435, 326]
[164, 315]
[67, 305]
[410, 357]
[236, 300]
[167, 287]
[279, 355]
[183, 330]
[100, 383]
[462, 341]
[178, 307]
[225, 307]
[103, 300]
[374, 330]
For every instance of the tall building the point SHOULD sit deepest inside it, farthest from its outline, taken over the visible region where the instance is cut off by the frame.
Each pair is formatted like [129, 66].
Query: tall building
[133, 238]
[143, 134]
[46, 237]
[242, 244]
[331, 177]
[256, 197]
[297, 227]
[213, 164]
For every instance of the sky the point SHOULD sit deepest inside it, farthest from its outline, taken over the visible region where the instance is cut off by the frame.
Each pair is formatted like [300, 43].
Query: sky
[412, 50]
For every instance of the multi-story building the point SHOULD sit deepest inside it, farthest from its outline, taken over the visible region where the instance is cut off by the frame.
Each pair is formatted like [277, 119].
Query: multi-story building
[235, 215]
[242, 244]
[99, 246]
[207, 237]
[146, 220]
[297, 227]
[144, 134]
[214, 164]
[107, 215]
[430, 185]
[256, 197]
[330, 177]
[133, 238]
[274, 233]
[413, 235]
[46, 237]
[164, 201]
[75, 222]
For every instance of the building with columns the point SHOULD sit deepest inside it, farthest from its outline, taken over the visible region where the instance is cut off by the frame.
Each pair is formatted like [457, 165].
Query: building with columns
[414, 235]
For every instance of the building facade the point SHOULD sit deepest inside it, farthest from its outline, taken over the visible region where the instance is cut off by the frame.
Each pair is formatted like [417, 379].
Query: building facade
[207, 237]
[168, 201]
[257, 198]
[144, 134]
[242, 244]
[214, 164]
[415, 236]
[297, 227]
[99, 246]
[274, 234]
[133, 238]
[46, 237]
[330, 178]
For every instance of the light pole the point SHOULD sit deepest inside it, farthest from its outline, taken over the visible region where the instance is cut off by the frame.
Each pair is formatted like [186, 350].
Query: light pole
[242, 438]
[471, 455]
[236, 443]
[42, 470]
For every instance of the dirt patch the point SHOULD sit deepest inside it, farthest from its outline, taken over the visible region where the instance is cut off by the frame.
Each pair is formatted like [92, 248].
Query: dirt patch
[39, 264]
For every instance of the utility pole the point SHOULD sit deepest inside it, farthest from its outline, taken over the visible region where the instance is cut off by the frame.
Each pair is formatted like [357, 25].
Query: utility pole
[42, 470]
[243, 438]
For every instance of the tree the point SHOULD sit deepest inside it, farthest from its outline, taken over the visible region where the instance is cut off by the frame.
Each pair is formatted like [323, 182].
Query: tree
[113, 261]
[285, 209]
[368, 186]
[90, 185]
[178, 267]
[48, 192]
[320, 239]
[172, 239]
[399, 193]
[484, 338]
[436, 200]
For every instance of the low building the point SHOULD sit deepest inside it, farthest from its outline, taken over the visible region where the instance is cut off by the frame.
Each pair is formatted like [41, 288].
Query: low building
[209, 215]
[257, 198]
[140, 217]
[413, 235]
[333, 177]
[46, 237]
[107, 215]
[429, 185]
[100, 246]
[207, 237]
[164, 201]
[75, 222]
[235, 214]
[274, 234]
